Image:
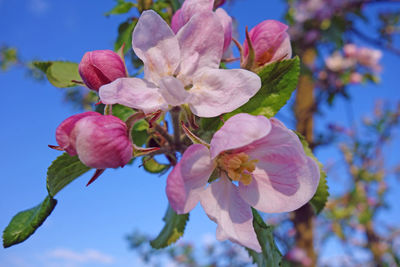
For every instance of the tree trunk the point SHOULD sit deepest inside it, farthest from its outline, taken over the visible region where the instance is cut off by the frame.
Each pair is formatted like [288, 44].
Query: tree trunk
[304, 110]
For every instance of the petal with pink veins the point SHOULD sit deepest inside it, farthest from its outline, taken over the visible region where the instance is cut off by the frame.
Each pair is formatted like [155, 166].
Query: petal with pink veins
[226, 22]
[239, 131]
[188, 178]
[218, 91]
[192, 7]
[201, 41]
[285, 177]
[134, 93]
[223, 205]
[156, 45]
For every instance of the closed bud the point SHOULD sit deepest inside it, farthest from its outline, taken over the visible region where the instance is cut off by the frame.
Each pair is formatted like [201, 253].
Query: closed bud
[99, 141]
[101, 67]
[270, 43]
[65, 136]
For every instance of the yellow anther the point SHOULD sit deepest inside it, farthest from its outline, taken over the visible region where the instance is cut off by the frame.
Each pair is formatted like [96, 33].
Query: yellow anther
[238, 166]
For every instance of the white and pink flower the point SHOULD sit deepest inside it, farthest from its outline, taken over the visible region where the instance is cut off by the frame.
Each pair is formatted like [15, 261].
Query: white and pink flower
[182, 68]
[260, 163]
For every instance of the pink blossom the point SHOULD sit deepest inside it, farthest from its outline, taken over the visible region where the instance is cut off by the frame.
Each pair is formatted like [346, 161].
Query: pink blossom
[182, 69]
[370, 58]
[270, 42]
[336, 62]
[350, 50]
[298, 255]
[101, 67]
[356, 78]
[264, 158]
[99, 141]
[192, 7]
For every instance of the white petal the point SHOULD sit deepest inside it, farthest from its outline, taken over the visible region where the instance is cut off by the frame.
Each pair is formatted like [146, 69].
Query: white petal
[218, 91]
[156, 45]
[134, 93]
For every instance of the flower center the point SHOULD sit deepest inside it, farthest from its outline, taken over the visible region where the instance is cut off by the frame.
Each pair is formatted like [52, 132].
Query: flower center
[237, 166]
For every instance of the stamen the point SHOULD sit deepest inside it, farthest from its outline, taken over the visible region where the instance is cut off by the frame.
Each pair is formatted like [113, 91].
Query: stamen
[238, 166]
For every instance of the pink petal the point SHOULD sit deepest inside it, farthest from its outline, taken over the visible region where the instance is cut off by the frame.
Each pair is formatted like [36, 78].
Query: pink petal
[239, 131]
[218, 91]
[201, 41]
[173, 91]
[193, 7]
[155, 43]
[103, 142]
[226, 22]
[188, 178]
[223, 205]
[284, 51]
[65, 136]
[285, 178]
[177, 21]
[134, 93]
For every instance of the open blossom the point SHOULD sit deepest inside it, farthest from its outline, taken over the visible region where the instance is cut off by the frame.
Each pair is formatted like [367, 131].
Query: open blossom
[270, 42]
[261, 164]
[192, 7]
[182, 69]
[101, 67]
[99, 141]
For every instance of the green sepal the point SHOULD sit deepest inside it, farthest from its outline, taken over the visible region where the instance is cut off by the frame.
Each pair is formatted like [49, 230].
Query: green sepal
[25, 223]
[61, 74]
[152, 166]
[174, 227]
[63, 171]
[321, 195]
[278, 82]
[270, 255]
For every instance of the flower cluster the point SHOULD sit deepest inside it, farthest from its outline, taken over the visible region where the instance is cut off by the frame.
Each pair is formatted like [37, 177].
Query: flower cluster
[352, 66]
[251, 161]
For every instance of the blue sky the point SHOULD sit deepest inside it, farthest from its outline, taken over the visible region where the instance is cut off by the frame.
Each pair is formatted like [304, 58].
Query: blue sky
[88, 226]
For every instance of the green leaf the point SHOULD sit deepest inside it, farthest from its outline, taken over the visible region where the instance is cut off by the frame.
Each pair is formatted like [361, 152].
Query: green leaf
[122, 112]
[121, 7]
[63, 171]
[174, 226]
[270, 255]
[25, 223]
[152, 166]
[175, 4]
[125, 35]
[59, 73]
[279, 80]
[321, 196]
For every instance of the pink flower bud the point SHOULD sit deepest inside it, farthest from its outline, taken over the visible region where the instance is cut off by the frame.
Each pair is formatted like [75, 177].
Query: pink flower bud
[270, 42]
[101, 67]
[103, 142]
[99, 141]
[65, 136]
